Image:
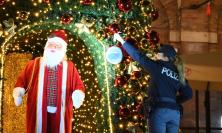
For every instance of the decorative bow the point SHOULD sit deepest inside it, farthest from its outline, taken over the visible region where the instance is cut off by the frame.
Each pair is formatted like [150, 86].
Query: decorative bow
[9, 27]
[84, 25]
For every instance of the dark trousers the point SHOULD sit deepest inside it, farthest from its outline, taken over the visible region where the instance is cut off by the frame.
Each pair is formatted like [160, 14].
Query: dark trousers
[51, 123]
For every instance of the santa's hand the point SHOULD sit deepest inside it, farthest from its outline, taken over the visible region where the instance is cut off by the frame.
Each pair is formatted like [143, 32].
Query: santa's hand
[18, 101]
[118, 38]
[18, 93]
[78, 97]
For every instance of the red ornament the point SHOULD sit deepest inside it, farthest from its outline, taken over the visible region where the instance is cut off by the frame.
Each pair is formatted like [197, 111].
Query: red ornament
[87, 2]
[120, 81]
[113, 28]
[124, 112]
[46, 1]
[153, 37]
[2, 2]
[124, 5]
[66, 19]
[208, 11]
[154, 15]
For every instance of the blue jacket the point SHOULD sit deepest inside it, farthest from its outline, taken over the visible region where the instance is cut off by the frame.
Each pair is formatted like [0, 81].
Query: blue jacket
[164, 82]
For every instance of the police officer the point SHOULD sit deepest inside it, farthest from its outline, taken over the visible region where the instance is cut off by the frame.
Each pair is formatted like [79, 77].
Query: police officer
[168, 87]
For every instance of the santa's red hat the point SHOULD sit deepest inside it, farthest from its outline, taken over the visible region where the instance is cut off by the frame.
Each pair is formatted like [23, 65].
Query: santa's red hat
[59, 37]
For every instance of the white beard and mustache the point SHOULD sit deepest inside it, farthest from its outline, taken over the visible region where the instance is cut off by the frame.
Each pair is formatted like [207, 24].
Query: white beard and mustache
[52, 59]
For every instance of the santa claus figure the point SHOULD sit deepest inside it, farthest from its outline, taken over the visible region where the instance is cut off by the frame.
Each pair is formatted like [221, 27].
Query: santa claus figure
[53, 87]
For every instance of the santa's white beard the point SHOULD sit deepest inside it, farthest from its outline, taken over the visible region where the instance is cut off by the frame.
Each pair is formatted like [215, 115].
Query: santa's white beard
[52, 59]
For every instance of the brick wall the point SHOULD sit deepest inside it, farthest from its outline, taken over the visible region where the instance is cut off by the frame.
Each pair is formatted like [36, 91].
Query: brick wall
[190, 30]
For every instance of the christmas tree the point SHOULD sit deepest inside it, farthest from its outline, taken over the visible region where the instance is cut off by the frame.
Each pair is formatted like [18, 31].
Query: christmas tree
[113, 91]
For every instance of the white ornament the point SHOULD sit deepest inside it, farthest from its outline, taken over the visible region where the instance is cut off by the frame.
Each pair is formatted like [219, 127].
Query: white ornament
[114, 55]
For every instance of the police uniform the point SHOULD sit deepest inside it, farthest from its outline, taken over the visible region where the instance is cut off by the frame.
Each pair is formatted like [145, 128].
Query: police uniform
[163, 88]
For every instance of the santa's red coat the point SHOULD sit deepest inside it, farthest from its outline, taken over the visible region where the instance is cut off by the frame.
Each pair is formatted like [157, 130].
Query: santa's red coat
[36, 121]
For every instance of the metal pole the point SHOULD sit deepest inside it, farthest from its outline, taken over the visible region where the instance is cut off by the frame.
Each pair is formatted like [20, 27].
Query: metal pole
[207, 108]
[197, 111]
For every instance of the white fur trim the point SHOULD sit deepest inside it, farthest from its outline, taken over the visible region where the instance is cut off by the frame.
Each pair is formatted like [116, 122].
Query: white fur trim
[57, 40]
[78, 97]
[18, 92]
[63, 102]
[39, 97]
